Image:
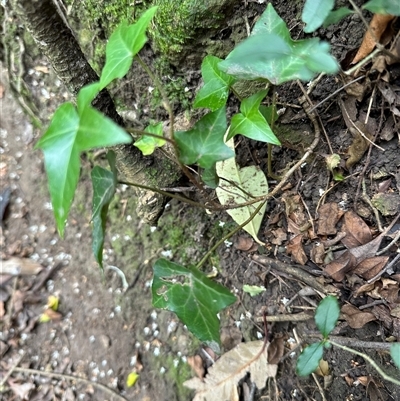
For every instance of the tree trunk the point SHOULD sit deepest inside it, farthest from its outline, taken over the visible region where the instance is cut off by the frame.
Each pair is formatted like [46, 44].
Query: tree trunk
[58, 43]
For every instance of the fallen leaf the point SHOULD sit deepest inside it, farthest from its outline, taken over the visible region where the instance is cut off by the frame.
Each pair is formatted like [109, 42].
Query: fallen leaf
[132, 379]
[389, 92]
[21, 390]
[280, 236]
[341, 266]
[395, 312]
[323, 368]
[243, 243]
[239, 185]
[356, 318]
[275, 350]
[329, 215]
[295, 248]
[17, 266]
[378, 25]
[370, 267]
[357, 231]
[317, 254]
[383, 315]
[196, 363]
[223, 377]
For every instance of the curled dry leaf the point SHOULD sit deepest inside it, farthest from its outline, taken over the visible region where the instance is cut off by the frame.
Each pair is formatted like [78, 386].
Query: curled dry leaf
[223, 377]
[329, 215]
[378, 26]
[196, 363]
[295, 249]
[356, 318]
[318, 254]
[341, 266]
[244, 243]
[370, 267]
[357, 231]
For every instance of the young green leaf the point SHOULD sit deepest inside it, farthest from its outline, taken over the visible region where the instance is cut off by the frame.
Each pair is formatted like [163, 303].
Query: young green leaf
[327, 315]
[214, 94]
[104, 183]
[253, 290]
[125, 42]
[309, 359]
[194, 298]
[337, 15]
[147, 144]
[239, 185]
[251, 123]
[204, 143]
[68, 135]
[383, 7]
[271, 54]
[86, 95]
[395, 353]
[315, 13]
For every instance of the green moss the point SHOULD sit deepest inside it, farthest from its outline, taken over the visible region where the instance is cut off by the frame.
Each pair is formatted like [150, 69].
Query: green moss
[179, 22]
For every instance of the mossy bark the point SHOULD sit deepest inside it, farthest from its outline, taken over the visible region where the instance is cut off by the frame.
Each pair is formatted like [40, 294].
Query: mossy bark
[58, 44]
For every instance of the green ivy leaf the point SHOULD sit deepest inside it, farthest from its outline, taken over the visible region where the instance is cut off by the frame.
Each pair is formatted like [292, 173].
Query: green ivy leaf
[194, 298]
[337, 15]
[309, 359]
[214, 94]
[395, 354]
[327, 315]
[204, 143]
[125, 42]
[147, 144]
[68, 135]
[271, 54]
[104, 183]
[383, 7]
[251, 123]
[315, 12]
[239, 185]
[86, 95]
[210, 177]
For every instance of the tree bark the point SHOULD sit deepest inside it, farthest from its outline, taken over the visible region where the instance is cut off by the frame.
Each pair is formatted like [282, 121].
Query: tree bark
[58, 43]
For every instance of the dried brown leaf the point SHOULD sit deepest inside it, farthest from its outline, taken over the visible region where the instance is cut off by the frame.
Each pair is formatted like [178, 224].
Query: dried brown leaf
[341, 266]
[378, 25]
[244, 243]
[383, 315]
[275, 350]
[370, 267]
[280, 236]
[356, 318]
[318, 254]
[223, 377]
[357, 231]
[196, 363]
[17, 266]
[329, 215]
[295, 249]
[323, 368]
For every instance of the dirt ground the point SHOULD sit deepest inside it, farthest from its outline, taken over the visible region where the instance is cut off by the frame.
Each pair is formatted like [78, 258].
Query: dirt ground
[105, 326]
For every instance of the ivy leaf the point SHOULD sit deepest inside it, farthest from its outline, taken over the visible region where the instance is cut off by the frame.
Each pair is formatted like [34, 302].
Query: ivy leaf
[86, 95]
[239, 185]
[383, 7]
[337, 15]
[253, 290]
[204, 143]
[251, 123]
[327, 314]
[214, 93]
[309, 359]
[104, 183]
[147, 144]
[125, 42]
[395, 354]
[194, 298]
[210, 177]
[68, 135]
[269, 53]
[315, 12]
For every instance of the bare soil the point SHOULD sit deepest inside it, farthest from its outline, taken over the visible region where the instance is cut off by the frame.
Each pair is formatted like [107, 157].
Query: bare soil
[104, 330]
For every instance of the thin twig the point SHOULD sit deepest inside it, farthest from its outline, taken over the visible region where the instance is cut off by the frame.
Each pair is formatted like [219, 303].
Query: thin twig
[370, 360]
[355, 342]
[11, 370]
[295, 317]
[63, 376]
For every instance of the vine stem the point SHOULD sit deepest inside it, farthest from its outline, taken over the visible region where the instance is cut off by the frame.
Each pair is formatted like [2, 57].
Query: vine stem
[229, 235]
[370, 360]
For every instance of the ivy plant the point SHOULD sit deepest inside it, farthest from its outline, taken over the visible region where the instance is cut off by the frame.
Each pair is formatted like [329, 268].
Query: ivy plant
[268, 55]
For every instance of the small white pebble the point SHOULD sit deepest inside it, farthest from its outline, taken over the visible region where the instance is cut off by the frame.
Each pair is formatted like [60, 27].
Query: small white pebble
[176, 362]
[129, 218]
[162, 370]
[146, 331]
[153, 228]
[153, 315]
[156, 351]
[92, 339]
